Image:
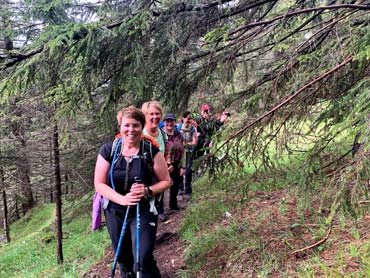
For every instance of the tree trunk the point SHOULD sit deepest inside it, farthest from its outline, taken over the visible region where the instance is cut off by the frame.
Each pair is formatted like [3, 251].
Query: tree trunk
[17, 216]
[58, 196]
[22, 163]
[66, 179]
[51, 192]
[6, 219]
[6, 216]
[23, 172]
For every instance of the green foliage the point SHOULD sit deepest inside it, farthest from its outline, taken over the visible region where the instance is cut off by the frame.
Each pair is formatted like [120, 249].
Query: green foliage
[32, 250]
[217, 34]
[259, 59]
[242, 237]
[363, 53]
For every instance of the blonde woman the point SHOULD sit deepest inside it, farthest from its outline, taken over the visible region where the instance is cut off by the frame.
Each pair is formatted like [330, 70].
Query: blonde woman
[153, 113]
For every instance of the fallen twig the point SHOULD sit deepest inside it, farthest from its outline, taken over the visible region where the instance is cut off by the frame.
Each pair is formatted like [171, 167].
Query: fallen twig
[315, 244]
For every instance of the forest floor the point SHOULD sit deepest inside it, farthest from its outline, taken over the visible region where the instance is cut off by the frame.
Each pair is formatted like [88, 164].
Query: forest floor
[168, 250]
[274, 228]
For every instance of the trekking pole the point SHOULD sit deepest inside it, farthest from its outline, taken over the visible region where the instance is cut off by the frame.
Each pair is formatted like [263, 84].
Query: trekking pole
[118, 249]
[186, 170]
[137, 237]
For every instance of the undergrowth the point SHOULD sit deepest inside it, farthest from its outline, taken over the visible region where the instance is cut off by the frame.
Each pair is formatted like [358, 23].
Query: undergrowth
[32, 250]
[259, 224]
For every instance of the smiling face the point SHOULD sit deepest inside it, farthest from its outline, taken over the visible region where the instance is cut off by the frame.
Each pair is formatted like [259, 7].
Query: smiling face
[169, 125]
[153, 117]
[130, 130]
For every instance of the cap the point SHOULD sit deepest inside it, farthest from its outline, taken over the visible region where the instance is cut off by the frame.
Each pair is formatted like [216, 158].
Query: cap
[204, 107]
[169, 116]
[226, 113]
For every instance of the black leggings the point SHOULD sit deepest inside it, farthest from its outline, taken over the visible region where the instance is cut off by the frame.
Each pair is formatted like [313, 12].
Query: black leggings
[148, 230]
[177, 182]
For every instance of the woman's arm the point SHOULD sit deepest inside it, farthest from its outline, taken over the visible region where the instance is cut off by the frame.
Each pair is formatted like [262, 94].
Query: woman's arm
[161, 173]
[100, 179]
[195, 137]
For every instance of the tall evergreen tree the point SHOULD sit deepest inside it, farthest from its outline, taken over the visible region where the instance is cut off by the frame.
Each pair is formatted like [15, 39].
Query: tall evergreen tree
[294, 70]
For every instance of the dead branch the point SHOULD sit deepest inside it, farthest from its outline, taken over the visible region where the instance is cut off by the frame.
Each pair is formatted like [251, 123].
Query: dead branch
[314, 244]
[333, 161]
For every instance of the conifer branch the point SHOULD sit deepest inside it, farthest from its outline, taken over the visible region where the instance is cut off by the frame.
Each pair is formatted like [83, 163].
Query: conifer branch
[287, 100]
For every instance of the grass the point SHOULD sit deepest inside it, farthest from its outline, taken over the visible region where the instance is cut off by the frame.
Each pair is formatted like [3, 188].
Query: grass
[238, 225]
[271, 215]
[32, 251]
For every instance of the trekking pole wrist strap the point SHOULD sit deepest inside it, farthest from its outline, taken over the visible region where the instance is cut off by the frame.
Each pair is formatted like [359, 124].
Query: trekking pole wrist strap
[148, 192]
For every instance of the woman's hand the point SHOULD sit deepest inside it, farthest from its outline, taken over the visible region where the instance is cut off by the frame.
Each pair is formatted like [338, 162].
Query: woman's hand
[136, 193]
[170, 169]
[182, 171]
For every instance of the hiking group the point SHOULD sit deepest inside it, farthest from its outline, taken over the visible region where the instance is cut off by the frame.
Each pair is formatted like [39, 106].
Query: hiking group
[148, 156]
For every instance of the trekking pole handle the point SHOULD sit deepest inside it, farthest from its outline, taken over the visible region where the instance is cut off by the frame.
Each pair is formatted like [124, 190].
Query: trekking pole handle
[137, 179]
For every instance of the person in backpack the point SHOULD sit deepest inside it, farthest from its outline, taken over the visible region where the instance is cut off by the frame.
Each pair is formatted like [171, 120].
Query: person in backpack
[175, 153]
[189, 133]
[205, 130]
[119, 184]
[207, 126]
[153, 113]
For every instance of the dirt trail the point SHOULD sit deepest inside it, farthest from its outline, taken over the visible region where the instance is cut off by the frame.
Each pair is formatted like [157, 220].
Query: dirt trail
[168, 251]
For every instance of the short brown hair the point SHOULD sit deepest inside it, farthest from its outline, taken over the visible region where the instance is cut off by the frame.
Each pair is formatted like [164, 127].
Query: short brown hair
[133, 113]
[186, 113]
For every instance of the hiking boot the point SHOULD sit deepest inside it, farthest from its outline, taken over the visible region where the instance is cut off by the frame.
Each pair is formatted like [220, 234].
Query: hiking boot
[162, 217]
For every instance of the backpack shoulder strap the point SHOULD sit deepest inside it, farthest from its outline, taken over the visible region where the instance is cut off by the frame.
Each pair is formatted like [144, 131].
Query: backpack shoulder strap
[116, 145]
[147, 152]
[150, 139]
[164, 136]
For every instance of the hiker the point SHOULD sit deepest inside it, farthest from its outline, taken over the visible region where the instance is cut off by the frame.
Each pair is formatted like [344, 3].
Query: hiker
[124, 192]
[222, 118]
[207, 126]
[153, 112]
[205, 131]
[189, 134]
[176, 152]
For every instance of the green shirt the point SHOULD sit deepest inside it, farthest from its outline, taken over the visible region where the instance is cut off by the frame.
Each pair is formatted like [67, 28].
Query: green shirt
[158, 139]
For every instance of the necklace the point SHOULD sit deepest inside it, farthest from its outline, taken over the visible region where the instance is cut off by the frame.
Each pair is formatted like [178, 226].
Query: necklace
[130, 151]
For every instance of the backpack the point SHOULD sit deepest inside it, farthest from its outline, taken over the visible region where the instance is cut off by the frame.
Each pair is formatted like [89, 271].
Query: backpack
[187, 137]
[99, 202]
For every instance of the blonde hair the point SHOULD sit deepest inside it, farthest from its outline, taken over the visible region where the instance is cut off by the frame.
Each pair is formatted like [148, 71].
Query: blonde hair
[131, 112]
[154, 103]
